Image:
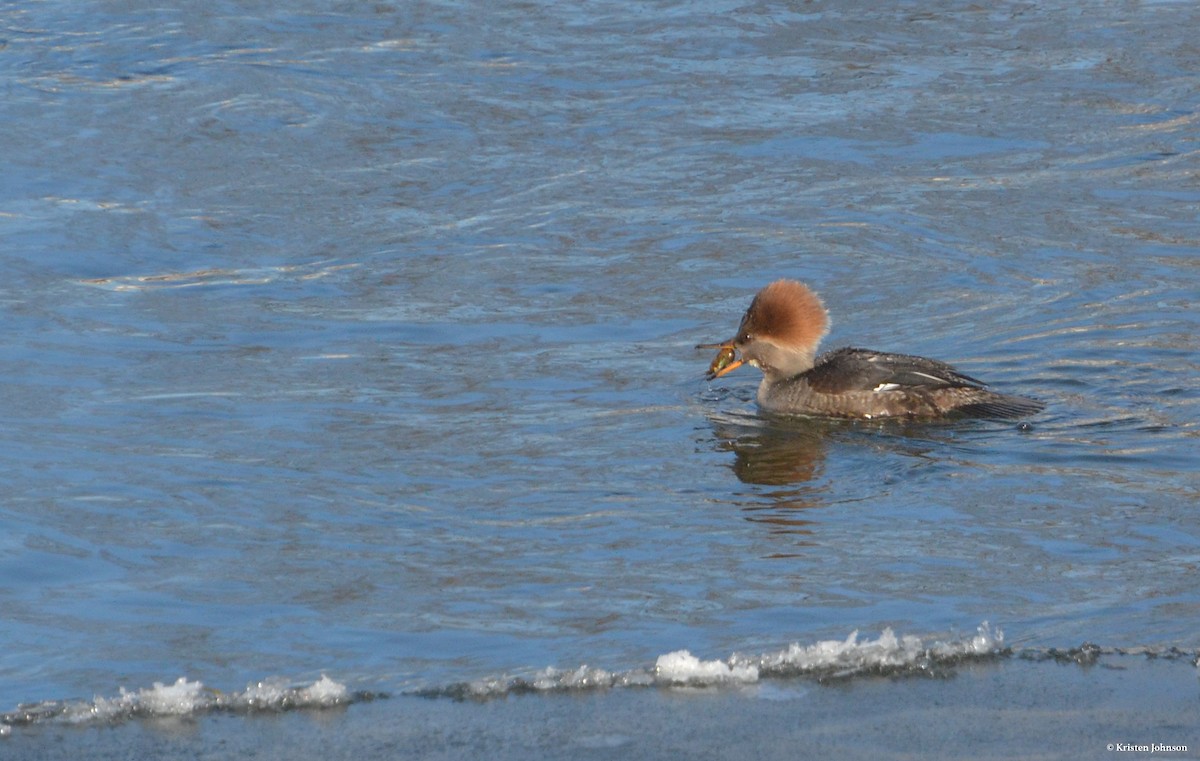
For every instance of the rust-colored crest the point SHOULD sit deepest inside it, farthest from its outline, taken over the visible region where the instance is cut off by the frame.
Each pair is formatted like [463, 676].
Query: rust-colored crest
[787, 313]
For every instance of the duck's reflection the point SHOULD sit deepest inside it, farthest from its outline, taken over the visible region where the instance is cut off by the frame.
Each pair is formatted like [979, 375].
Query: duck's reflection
[772, 451]
[775, 452]
[788, 455]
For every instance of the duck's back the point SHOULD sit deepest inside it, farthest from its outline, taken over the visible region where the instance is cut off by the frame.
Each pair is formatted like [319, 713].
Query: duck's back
[863, 383]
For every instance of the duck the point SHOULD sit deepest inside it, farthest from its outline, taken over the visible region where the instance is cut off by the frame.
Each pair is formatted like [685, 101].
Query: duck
[779, 335]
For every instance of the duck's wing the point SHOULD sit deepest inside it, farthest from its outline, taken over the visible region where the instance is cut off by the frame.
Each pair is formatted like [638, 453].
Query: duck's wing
[866, 370]
[862, 370]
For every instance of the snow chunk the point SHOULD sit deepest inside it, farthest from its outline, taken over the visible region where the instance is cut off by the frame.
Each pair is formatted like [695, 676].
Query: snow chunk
[323, 692]
[681, 667]
[179, 699]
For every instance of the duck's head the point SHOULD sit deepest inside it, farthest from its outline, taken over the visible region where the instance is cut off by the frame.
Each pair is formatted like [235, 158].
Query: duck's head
[779, 333]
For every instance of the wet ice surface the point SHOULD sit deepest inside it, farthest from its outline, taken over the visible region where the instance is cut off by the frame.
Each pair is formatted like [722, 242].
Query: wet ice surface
[357, 344]
[887, 655]
[1024, 708]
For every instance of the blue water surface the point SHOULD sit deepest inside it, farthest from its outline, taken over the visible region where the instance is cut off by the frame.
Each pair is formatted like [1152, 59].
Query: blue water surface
[358, 340]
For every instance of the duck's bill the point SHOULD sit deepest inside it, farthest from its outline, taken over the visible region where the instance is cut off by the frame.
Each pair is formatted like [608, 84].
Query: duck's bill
[725, 362]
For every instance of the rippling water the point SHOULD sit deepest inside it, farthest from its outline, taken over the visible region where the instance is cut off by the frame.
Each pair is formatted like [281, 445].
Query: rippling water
[358, 341]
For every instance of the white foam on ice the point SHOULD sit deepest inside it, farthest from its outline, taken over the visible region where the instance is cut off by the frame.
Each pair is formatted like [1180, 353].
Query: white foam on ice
[182, 698]
[277, 693]
[824, 659]
[547, 680]
[581, 678]
[852, 655]
[888, 653]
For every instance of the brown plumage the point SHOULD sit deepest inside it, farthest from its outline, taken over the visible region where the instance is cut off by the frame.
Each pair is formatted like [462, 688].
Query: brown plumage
[794, 314]
[779, 335]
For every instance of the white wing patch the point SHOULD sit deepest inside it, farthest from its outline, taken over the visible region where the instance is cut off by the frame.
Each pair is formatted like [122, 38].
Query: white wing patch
[933, 378]
[886, 387]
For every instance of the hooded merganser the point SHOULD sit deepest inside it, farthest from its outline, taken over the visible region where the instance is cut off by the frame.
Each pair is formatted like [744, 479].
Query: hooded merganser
[779, 335]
